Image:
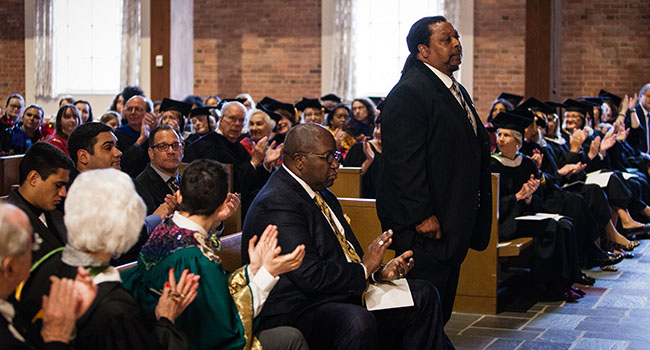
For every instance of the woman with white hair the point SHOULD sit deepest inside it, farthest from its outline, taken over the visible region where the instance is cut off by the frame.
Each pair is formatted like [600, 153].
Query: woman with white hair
[555, 265]
[104, 216]
[260, 125]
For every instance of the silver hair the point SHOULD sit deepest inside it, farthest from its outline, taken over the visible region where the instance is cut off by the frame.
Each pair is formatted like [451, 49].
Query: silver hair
[13, 238]
[110, 225]
[267, 119]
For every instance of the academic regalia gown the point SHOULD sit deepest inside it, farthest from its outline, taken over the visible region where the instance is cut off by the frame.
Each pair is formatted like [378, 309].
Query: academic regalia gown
[113, 321]
[355, 158]
[221, 315]
[554, 243]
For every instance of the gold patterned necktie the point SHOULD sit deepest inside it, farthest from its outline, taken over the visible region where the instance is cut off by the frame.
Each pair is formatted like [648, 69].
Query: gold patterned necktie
[347, 247]
[461, 100]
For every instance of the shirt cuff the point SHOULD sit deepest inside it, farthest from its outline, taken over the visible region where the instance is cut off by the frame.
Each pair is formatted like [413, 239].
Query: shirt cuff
[365, 270]
[263, 279]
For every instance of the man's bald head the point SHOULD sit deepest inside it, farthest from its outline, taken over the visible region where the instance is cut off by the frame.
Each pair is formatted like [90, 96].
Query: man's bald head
[304, 138]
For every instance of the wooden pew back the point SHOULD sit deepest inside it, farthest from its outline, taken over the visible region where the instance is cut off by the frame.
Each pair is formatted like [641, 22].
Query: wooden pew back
[348, 183]
[364, 221]
[9, 172]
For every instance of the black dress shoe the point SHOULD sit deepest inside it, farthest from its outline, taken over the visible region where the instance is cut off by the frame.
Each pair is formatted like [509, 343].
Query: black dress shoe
[586, 280]
[604, 259]
[627, 255]
[636, 230]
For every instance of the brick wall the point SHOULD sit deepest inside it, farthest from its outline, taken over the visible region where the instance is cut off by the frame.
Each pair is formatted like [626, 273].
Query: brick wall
[499, 50]
[12, 49]
[263, 47]
[605, 44]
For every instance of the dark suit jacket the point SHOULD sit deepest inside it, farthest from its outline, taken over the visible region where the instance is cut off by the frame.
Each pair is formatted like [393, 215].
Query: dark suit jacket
[637, 137]
[151, 188]
[434, 164]
[134, 157]
[325, 275]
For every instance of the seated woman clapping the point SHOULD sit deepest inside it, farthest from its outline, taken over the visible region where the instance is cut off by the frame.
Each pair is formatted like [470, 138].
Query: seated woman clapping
[222, 316]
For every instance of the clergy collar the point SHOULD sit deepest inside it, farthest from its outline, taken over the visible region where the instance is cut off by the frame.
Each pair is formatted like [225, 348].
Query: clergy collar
[302, 183]
[162, 175]
[188, 224]
[447, 80]
[511, 163]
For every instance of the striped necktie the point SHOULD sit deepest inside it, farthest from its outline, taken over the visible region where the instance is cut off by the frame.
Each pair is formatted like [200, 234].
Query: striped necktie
[173, 184]
[459, 97]
[348, 249]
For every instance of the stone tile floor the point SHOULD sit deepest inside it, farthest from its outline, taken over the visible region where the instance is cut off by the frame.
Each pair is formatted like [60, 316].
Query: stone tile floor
[614, 314]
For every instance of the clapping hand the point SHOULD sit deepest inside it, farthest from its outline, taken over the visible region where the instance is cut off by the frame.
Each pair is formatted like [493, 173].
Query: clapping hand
[267, 253]
[177, 296]
[537, 157]
[229, 206]
[259, 150]
[273, 154]
[527, 189]
[398, 267]
[375, 253]
[576, 140]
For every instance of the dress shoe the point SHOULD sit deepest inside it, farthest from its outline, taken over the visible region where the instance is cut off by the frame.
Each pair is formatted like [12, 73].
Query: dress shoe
[627, 255]
[636, 230]
[604, 259]
[585, 279]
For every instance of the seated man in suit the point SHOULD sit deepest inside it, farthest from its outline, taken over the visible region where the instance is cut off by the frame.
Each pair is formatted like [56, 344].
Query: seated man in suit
[160, 180]
[323, 297]
[132, 138]
[43, 175]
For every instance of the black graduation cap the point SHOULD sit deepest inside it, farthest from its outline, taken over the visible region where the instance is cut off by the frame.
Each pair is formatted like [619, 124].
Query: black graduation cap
[308, 103]
[172, 105]
[593, 100]
[205, 110]
[608, 96]
[512, 121]
[271, 113]
[331, 97]
[536, 105]
[222, 102]
[576, 106]
[512, 98]
[274, 105]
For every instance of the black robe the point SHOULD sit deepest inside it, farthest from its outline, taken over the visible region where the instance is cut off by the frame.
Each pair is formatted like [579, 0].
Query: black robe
[113, 321]
[369, 181]
[248, 180]
[53, 236]
[554, 243]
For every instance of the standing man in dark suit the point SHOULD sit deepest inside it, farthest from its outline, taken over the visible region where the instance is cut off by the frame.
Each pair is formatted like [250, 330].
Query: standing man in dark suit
[323, 297]
[160, 180]
[43, 175]
[435, 179]
[637, 119]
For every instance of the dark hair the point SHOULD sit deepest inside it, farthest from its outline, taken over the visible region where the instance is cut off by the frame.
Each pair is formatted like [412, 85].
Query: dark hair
[85, 137]
[90, 110]
[331, 113]
[67, 98]
[213, 96]
[45, 159]
[33, 105]
[130, 91]
[14, 96]
[152, 134]
[378, 120]
[113, 106]
[194, 100]
[505, 102]
[204, 186]
[370, 107]
[61, 113]
[108, 115]
[420, 33]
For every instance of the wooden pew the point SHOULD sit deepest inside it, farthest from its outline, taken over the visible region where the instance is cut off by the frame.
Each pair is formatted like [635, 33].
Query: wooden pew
[348, 183]
[9, 172]
[364, 221]
[479, 274]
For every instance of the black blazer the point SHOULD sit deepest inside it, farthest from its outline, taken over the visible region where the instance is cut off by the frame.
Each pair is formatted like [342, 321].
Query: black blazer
[325, 275]
[434, 164]
[53, 237]
[151, 187]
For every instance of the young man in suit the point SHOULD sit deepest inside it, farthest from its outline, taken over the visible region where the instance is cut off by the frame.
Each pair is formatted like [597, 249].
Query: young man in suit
[43, 175]
[435, 178]
[324, 296]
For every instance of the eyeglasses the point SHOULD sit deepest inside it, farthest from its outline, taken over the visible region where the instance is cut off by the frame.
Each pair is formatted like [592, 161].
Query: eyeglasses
[162, 147]
[234, 119]
[329, 157]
